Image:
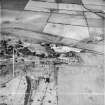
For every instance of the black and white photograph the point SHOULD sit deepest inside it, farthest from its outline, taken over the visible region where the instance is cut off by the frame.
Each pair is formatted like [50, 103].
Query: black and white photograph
[52, 52]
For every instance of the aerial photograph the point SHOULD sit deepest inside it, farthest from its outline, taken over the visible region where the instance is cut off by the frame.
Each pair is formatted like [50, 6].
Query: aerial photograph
[52, 52]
